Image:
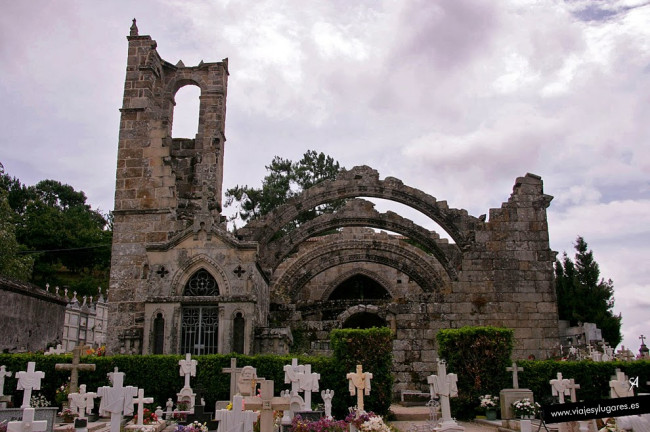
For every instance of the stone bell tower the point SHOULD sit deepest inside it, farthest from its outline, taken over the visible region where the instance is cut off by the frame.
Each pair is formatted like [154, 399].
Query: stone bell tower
[163, 185]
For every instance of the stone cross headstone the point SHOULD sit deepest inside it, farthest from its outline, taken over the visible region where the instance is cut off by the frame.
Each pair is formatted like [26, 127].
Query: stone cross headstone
[233, 370]
[140, 401]
[444, 386]
[359, 383]
[309, 384]
[187, 368]
[572, 388]
[116, 400]
[29, 380]
[247, 381]
[327, 396]
[27, 424]
[515, 374]
[4, 373]
[266, 403]
[620, 386]
[75, 367]
[58, 350]
[235, 420]
[82, 402]
[560, 387]
[292, 374]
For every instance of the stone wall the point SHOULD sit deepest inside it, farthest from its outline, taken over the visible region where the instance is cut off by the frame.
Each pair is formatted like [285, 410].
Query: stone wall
[31, 317]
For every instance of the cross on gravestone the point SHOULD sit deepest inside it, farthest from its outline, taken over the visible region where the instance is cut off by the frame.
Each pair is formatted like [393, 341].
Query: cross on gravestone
[29, 380]
[327, 396]
[116, 400]
[572, 388]
[239, 271]
[359, 383]
[233, 370]
[82, 402]
[110, 375]
[187, 369]
[140, 401]
[560, 387]
[27, 424]
[444, 385]
[308, 384]
[58, 350]
[292, 375]
[235, 420]
[620, 385]
[266, 404]
[3, 373]
[75, 367]
[515, 374]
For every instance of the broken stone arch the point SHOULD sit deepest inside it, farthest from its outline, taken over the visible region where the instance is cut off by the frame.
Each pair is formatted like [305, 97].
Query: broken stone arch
[354, 272]
[345, 316]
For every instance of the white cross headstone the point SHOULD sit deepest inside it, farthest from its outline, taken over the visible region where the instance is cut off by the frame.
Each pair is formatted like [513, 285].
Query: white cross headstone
[327, 396]
[292, 374]
[560, 387]
[3, 374]
[29, 380]
[266, 403]
[445, 386]
[573, 387]
[235, 420]
[620, 386]
[140, 401]
[58, 350]
[116, 400]
[233, 370]
[187, 368]
[309, 384]
[359, 383]
[27, 424]
[82, 402]
[515, 374]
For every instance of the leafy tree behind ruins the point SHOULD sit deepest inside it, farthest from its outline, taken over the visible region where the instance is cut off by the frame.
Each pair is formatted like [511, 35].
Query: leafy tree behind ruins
[583, 296]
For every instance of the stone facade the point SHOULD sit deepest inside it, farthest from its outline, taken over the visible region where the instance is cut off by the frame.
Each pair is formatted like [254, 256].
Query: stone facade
[180, 282]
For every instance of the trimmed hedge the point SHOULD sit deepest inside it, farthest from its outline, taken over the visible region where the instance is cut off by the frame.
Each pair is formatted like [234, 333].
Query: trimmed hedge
[159, 374]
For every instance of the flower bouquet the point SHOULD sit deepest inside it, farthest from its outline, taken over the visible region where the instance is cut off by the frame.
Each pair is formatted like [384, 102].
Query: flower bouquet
[68, 415]
[489, 403]
[525, 408]
[192, 427]
[148, 417]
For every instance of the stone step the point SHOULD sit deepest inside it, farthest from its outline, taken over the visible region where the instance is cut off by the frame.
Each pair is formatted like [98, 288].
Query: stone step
[410, 413]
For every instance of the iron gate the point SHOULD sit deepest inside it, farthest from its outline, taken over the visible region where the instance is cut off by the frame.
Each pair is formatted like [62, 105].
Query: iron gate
[199, 330]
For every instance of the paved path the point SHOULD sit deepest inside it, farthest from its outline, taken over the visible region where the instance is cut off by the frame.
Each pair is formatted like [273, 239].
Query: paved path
[405, 426]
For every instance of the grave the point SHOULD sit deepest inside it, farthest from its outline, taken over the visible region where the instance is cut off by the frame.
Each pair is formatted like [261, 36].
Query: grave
[247, 381]
[620, 386]
[75, 367]
[116, 400]
[139, 425]
[359, 383]
[29, 380]
[508, 396]
[28, 423]
[443, 385]
[235, 420]
[47, 414]
[4, 399]
[82, 402]
[266, 403]
[187, 395]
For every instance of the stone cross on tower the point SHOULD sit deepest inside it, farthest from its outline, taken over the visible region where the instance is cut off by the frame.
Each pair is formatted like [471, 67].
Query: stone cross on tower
[187, 368]
[141, 400]
[116, 400]
[75, 367]
[3, 373]
[233, 370]
[515, 374]
[560, 387]
[359, 383]
[444, 385]
[29, 380]
[620, 386]
[235, 420]
[572, 388]
[28, 424]
[266, 404]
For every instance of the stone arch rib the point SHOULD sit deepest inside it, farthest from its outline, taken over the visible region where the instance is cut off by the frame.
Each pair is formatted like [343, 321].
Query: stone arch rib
[358, 271]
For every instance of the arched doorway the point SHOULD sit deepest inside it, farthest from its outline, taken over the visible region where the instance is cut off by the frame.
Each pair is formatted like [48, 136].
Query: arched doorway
[359, 287]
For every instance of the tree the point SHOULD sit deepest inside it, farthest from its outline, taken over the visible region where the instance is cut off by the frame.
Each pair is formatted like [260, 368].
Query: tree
[285, 179]
[583, 296]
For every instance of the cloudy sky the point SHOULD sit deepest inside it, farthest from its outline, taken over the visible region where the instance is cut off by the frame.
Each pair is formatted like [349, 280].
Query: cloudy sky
[457, 98]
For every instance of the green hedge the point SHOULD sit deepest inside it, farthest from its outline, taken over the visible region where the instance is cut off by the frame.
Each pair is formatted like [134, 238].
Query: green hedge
[159, 374]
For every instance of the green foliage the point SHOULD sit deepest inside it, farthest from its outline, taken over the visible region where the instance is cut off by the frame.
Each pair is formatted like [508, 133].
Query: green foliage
[479, 356]
[373, 349]
[585, 297]
[11, 263]
[68, 242]
[285, 179]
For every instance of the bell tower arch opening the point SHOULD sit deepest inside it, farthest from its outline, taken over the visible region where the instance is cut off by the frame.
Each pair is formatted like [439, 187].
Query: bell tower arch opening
[185, 122]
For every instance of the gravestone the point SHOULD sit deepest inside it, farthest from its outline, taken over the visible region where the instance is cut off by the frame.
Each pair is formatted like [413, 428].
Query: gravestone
[327, 396]
[620, 386]
[301, 379]
[116, 400]
[58, 350]
[187, 370]
[233, 370]
[508, 396]
[235, 420]
[4, 373]
[443, 385]
[560, 387]
[247, 381]
[75, 367]
[27, 424]
[296, 404]
[266, 403]
[29, 380]
[359, 383]
[140, 401]
[82, 402]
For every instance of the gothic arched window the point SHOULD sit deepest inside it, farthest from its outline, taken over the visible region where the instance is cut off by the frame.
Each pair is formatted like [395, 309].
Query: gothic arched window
[201, 283]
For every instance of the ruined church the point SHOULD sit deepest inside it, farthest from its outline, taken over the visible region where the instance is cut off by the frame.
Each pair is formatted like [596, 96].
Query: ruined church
[181, 282]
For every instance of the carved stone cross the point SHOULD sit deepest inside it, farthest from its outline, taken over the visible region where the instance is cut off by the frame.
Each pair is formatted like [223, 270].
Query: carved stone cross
[141, 400]
[29, 380]
[3, 373]
[82, 402]
[239, 271]
[116, 400]
[515, 374]
[233, 370]
[359, 383]
[445, 386]
[27, 424]
[235, 420]
[75, 367]
[162, 272]
[187, 368]
[266, 404]
[560, 387]
[620, 386]
[573, 387]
